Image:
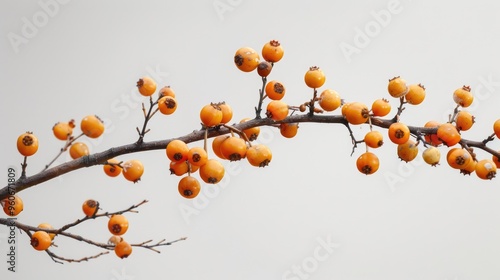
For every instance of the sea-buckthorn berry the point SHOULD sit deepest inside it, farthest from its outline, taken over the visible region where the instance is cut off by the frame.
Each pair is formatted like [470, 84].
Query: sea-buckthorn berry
[47, 226]
[78, 150]
[432, 138]
[246, 59]
[112, 169]
[357, 113]
[167, 105]
[289, 130]
[211, 115]
[118, 224]
[133, 170]
[277, 110]
[166, 91]
[464, 120]
[374, 139]
[189, 187]
[233, 148]
[272, 51]
[264, 69]
[381, 107]
[146, 86]
[27, 144]
[227, 112]
[448, 134]
[397, 87]
[275, 90]
[212, 171]
[40, 240]
[463, 97]
[251, 133]
[197, 156]
[177, 150]
[12, 205]
[90, 207]
[496, 160]
[92, 126]
[486, 169]
[63, 130]
[179, 168]
[496, 128]
[329, 100]
[408, 151]
[216, 143]
[399, 133]
[123, 249]
[259, 155]
[431, 155]
[469, 168]
[416, 94]
[458, 158]
[367, 163]
[314, 77]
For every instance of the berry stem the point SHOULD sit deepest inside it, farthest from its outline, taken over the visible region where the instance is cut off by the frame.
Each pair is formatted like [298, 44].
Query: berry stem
[258, 109]
[23, 167]
[311, 103]
[147, 117]
[68, 144]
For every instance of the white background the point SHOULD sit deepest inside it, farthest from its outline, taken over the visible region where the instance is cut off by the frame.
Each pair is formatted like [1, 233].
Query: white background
[407, 221]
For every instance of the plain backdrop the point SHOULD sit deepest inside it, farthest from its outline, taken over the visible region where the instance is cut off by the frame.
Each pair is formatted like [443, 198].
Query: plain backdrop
[65, 60]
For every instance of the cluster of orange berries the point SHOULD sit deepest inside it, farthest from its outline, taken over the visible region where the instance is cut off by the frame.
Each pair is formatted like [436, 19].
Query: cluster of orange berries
[447, 134]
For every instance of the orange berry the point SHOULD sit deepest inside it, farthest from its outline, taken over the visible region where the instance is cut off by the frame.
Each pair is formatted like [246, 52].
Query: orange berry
[458, 158]
[496, 128]
[189, 187]
[374, 139]
[47, 226]
[123, 249]
[275, 90]
[251, 133]
[233, 148]
[63, 130]
[496, 160]
[381, 107]
[448, 134]
[416, 94]
[78, 149]
[146, 86]
[12, 205]
[166, 91]
[259, 155]
[133, 170]
[112, 170]
[314, 77]
[167, 105]
[197, 156]
[177, 150]
[90, 207]
[179, 168]
[399, 133]
[216, 143]
[27, 144]
[277, 110]
[463, 96]
[464, 120]
[367, 163]
[272, 51]
[40, 240]
[469, 168]
[356, 113]
[486, 169]
[118, 224]
[212, 171]
[211, 115]
[432, 138]
[289, 130]
[431, 155]
[329, 100]
[397, 87]
[227, 112]
[246, 59]
[408, 151]
[92, 126]
[264, 68]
